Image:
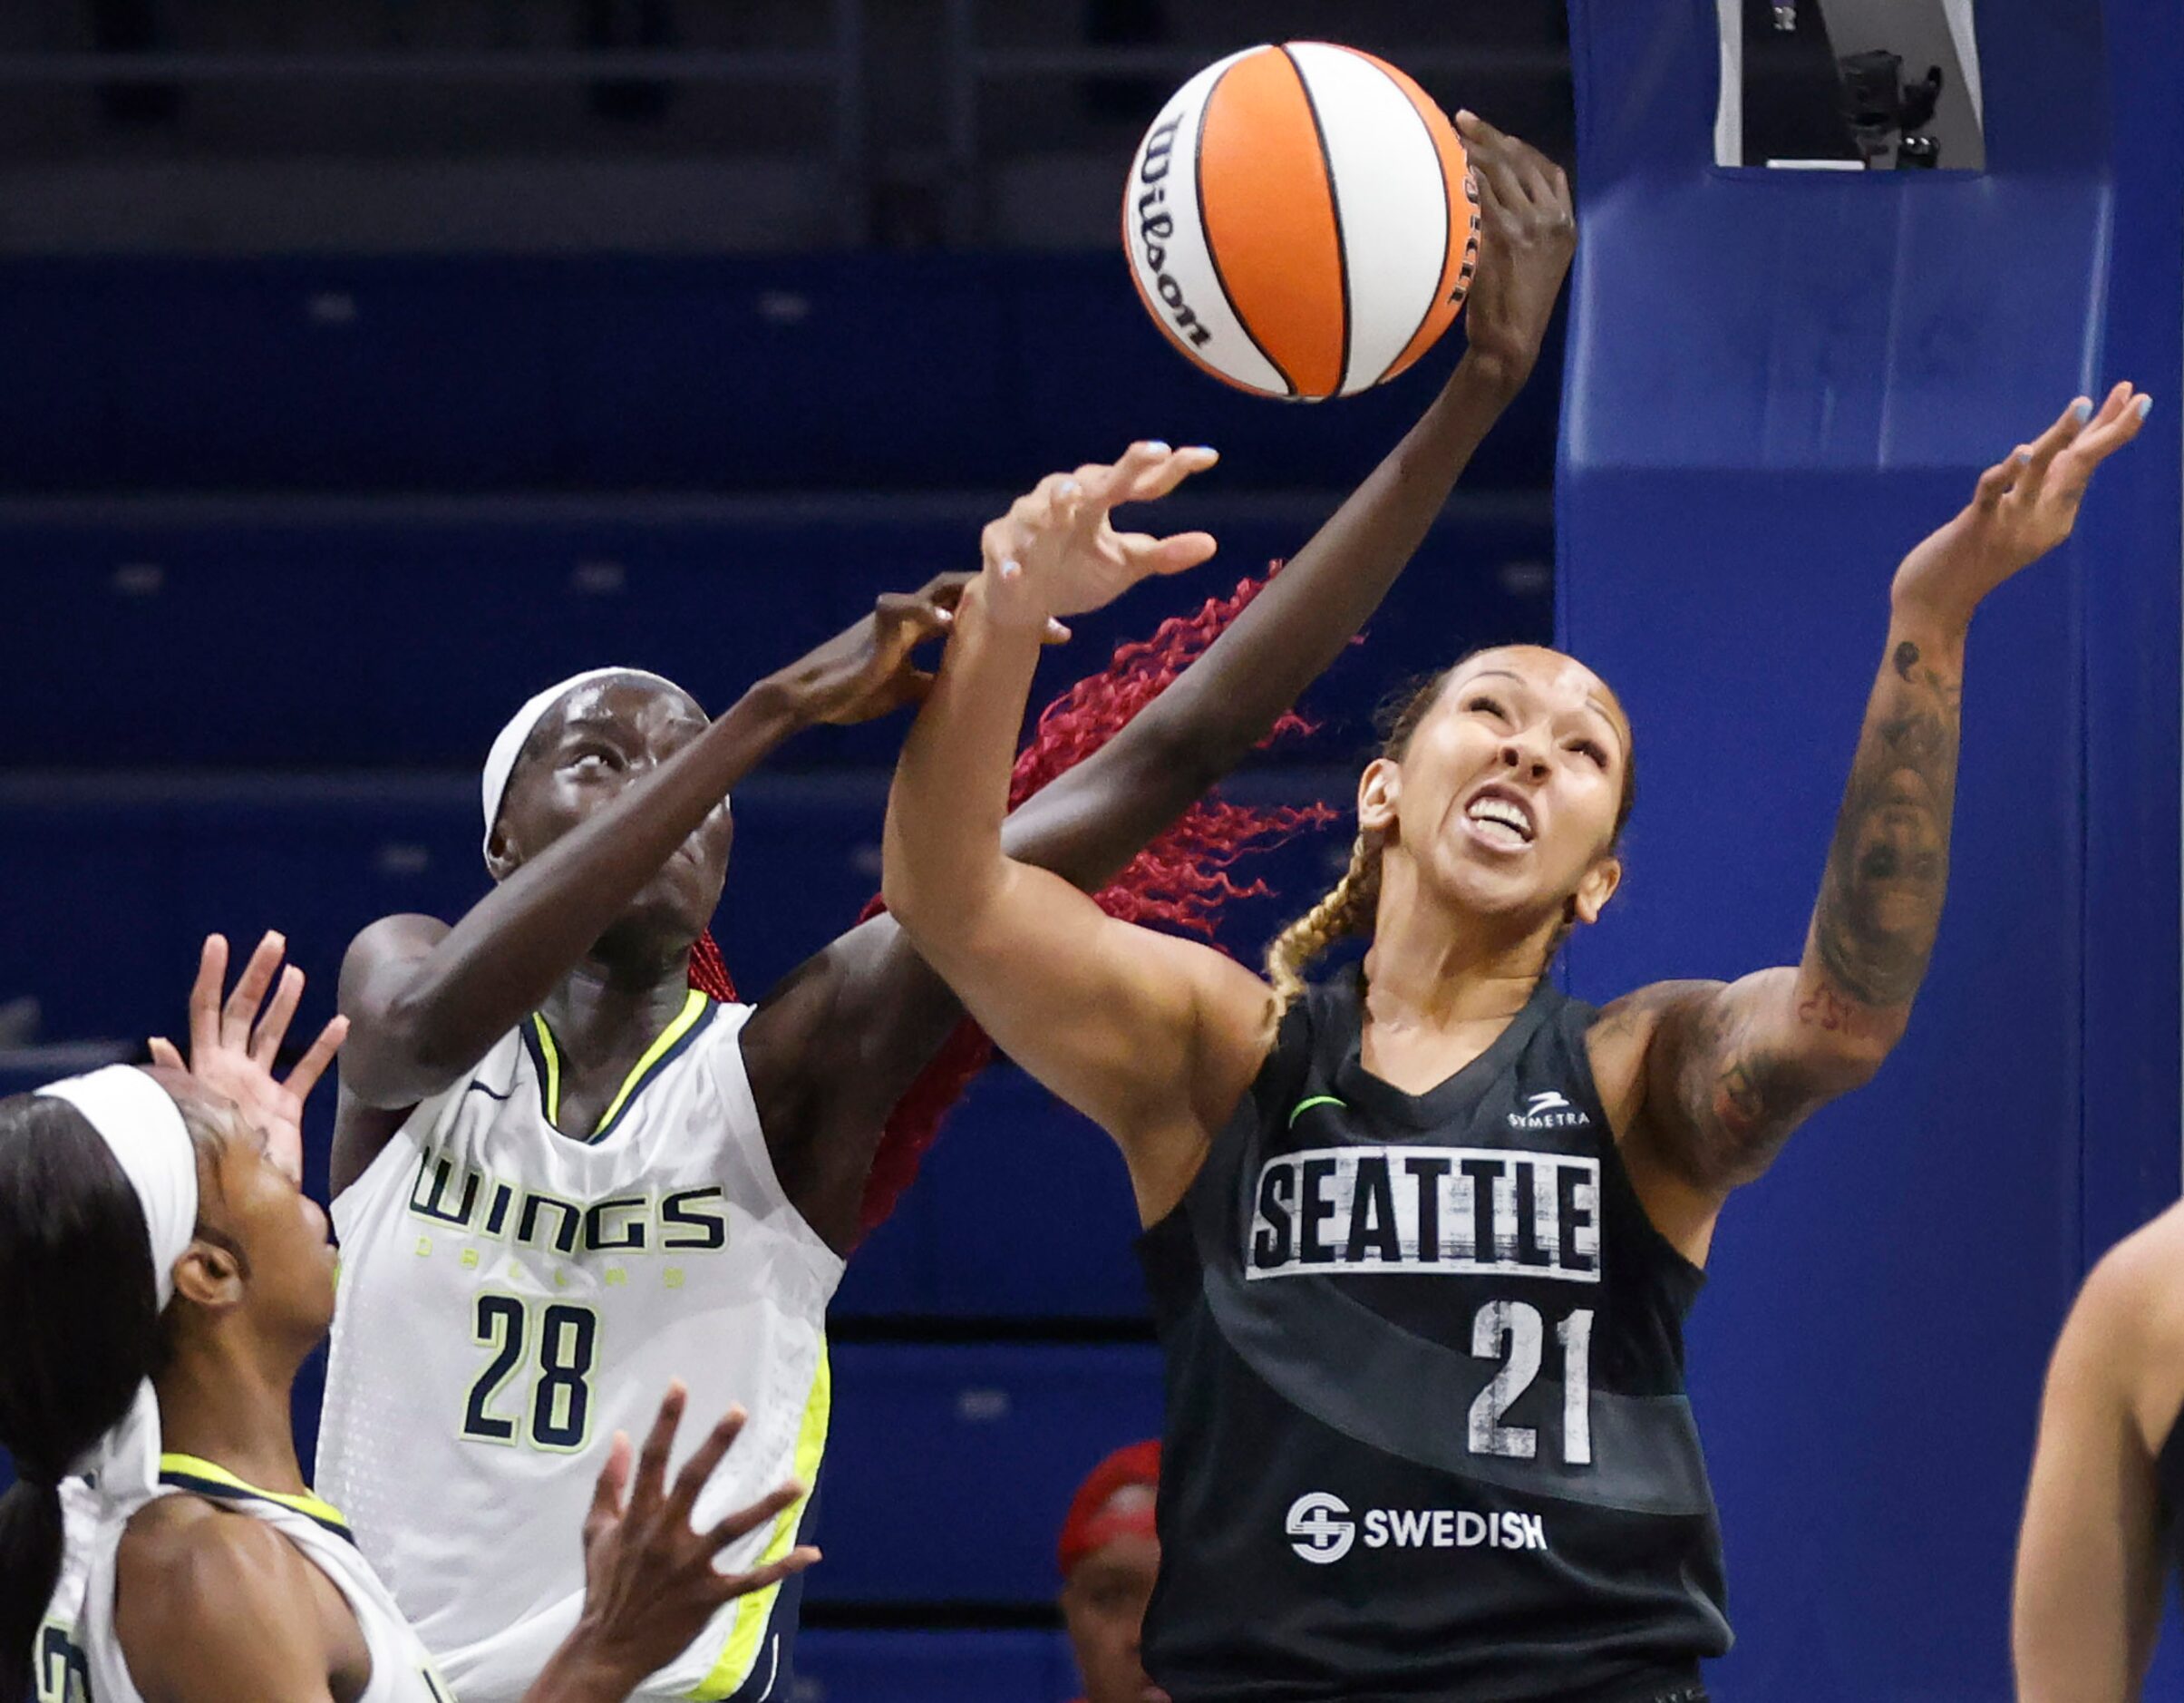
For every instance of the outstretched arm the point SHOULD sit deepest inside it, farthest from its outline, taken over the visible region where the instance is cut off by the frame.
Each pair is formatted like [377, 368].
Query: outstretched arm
[1153, 1037]
[425, 1001]
[1718, 1075]
[845, 1035]
[1092, 821]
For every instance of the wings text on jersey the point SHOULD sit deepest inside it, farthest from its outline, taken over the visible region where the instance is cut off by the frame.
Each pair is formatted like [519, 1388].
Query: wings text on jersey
[1454, 1211]
[464, 1198]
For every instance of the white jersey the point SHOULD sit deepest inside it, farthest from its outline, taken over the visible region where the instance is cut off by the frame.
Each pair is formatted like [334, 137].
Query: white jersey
[80, 1657]
[510, 1297]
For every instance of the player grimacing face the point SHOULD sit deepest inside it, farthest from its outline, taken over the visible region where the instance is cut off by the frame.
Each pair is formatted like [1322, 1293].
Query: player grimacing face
[586, 749]
[1505, 802]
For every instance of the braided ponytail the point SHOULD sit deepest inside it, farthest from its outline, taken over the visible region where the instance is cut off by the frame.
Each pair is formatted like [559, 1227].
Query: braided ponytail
[1346, 909]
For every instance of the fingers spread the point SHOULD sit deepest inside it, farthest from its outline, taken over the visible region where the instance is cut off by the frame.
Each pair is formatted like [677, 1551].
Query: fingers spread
[313, 1065]
[703, 1462]
[745, 1521]
[614, 1476]
[652, 1463]
[1158, 478]
[273, 1028]
[242, 1009]
[1149, 555]
[732, 1585]
[205, 993]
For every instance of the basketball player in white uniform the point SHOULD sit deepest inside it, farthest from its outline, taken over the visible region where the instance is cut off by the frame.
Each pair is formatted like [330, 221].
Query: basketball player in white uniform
[561, 1176]
[165, 1278]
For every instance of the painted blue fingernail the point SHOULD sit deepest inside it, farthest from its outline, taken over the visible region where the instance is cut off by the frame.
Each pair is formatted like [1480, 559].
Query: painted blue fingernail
[1010, 570]
[2143, 406]
[1067, 488]
[2082, 410]
[2022, 456]
[1157, 447]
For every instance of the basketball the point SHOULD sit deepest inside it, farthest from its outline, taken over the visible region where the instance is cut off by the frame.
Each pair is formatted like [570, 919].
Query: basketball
[1300, 221]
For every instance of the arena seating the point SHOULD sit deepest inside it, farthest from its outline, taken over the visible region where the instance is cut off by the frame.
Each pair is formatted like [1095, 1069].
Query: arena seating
[848, 372]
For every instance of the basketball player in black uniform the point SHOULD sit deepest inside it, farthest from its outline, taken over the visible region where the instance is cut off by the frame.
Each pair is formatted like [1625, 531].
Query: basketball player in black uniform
[2106, 1506]
[1421, 1239]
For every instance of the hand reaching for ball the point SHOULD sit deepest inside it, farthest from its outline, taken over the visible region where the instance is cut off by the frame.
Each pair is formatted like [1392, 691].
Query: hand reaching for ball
[1527, 231]
[1056, 552]
[2022, 509]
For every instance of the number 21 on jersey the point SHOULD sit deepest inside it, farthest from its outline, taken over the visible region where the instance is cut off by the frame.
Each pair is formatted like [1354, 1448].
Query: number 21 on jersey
[1514, 1333]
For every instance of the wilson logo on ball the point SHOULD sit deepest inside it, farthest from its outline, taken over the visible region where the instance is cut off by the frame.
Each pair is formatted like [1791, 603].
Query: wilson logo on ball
[1300, 221]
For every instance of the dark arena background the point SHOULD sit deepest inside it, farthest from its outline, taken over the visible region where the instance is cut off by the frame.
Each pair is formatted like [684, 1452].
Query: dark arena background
[366, 364]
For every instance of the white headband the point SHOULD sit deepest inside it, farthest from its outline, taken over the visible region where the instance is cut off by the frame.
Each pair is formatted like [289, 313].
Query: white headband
[143, 1129]
[508, 743]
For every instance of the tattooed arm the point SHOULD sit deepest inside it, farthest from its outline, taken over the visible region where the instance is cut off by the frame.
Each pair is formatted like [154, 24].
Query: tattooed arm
[1706, 1080]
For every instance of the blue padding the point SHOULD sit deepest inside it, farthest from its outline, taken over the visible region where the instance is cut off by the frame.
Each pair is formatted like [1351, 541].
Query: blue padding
[459, 374]
[949, 1469]
[934, 1668]
[406, 635]
[1778, 382]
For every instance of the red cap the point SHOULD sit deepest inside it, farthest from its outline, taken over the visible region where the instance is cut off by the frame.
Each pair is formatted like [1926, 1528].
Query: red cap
[1092, 1524]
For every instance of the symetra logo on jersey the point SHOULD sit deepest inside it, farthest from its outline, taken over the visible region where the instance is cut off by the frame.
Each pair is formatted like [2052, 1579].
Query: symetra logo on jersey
[1549, 1110]
[1455, 1211]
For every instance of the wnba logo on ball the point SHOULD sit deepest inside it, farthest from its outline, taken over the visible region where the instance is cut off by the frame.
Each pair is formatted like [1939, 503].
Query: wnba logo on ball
[1320, 1527]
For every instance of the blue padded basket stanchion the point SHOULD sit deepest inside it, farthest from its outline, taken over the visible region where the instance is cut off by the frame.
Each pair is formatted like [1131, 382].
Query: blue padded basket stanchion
[1778, 382]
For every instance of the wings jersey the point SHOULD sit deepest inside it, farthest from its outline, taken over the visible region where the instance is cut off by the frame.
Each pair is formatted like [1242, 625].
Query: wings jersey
[511, 1296]
[1426, 1428]
[80, 1657]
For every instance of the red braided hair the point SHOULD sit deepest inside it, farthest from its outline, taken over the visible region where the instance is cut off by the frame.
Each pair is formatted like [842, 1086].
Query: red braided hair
[1182, 880]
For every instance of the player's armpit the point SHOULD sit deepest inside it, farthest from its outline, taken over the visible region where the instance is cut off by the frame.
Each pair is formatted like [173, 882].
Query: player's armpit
[221, 1606]
[2086, 1605]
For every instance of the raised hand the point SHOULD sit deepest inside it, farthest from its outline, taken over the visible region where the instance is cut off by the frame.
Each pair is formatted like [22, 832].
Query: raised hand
[1527, 231]
[233, 1044]
[650, 1584]
[867, 670]
[1056, 552]
[2023, 508]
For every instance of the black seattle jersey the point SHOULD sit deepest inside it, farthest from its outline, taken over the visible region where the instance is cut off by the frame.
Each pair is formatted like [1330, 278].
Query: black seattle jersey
[1426, 1430]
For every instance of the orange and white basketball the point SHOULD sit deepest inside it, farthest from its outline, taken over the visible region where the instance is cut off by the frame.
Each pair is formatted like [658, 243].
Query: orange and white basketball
[1301, 220]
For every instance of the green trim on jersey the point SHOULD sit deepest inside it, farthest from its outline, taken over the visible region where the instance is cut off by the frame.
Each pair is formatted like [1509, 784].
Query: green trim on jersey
[206, 1478]
[696, 1009]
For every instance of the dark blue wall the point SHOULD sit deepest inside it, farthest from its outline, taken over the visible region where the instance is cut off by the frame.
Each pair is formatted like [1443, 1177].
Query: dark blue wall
[1777, 384]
